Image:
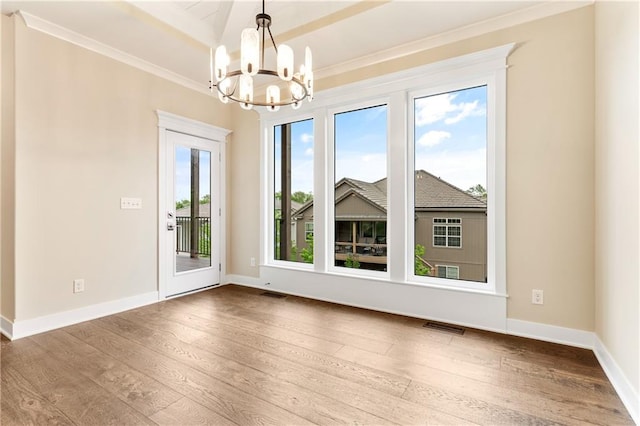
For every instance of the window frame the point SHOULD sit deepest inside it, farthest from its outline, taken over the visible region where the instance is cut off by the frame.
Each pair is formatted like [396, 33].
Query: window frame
[447, 267]
[446, 235]
[268, 148]
[487, 67]
[331, 152]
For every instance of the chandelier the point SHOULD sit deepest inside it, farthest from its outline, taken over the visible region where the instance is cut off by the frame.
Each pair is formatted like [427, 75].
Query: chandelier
[284, 86]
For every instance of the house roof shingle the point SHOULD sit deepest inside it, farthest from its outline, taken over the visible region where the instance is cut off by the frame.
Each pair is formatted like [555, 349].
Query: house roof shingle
[431, 192]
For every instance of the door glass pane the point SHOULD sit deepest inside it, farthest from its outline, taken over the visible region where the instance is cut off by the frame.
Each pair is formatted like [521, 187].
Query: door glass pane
[361, 189]
[450, 177]
[293, 191]
[193, 208]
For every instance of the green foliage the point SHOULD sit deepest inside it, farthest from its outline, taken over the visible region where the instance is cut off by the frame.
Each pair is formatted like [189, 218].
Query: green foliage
[205, 199]
[419, 267]
[307, 252]
[478, 191]
[352, 261]
[301, 197]
[182, 203]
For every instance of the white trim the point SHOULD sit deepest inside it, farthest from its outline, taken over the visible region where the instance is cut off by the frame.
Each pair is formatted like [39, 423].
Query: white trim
[44, 323]
[244, 280]
[516, 18]
[630, 397]
[175, 123]
[453, 305]
[6, 327]
[550, 333]
[35, 23]
[191, 127]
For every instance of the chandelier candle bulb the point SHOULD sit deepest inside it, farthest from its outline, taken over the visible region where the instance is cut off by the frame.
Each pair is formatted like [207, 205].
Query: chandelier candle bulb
[222, 61]
[285, 62]
[211, 69]
[250, 51]
[273, 98]
[246, 91]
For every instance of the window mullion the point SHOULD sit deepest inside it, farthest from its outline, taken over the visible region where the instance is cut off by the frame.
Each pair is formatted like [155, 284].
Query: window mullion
[397, 187]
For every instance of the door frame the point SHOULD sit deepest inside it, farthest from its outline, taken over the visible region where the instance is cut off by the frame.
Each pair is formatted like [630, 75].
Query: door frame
[175, 123]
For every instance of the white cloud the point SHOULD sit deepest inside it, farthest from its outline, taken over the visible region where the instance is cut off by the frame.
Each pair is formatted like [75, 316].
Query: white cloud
[306, 137]
[466, 110]
[460, 168]
[308, 152]
[436, 108]
[355, 165]
[433, 138]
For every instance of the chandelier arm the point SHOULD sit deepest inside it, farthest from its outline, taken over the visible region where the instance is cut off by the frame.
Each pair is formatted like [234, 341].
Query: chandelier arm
[272, 40]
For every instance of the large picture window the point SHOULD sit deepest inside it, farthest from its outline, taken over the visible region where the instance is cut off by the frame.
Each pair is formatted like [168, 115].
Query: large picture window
[293, 191]
[409, 175]
[450, 181]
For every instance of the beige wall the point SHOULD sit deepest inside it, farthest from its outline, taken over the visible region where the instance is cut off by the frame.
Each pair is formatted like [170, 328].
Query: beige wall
[86, 135]
[243, 180]
[550, 164]
[617, 184]
[7, 170]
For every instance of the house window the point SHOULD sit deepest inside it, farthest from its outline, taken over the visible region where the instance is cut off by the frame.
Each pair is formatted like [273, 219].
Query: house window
[293, 190]
[447, 232]
[450, 181]
[308, 231]
[360, 190]
[446, 271]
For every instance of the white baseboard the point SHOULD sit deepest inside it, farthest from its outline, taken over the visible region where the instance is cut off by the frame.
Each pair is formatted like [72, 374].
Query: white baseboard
[551, 333]
[19, 329]
[629, 396]
[6, 328]
[244, 280]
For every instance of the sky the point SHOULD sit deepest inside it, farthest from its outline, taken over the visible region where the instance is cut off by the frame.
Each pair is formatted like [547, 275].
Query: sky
[450, 142]
[183, 173]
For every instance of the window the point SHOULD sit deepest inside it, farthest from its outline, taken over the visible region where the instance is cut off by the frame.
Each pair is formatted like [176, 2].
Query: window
[446, 271]
[405, 162]
[450, 181]
[360, 190]
[447, 232]
[308, 231]
[293, 191]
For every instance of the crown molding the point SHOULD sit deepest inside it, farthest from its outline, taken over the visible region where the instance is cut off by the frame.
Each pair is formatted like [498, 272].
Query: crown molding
[494, 24]
[519, 17]
[35, 23]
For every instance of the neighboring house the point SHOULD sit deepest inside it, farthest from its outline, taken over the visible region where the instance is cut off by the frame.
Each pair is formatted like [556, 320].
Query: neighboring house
[278, 217]
[450, 223]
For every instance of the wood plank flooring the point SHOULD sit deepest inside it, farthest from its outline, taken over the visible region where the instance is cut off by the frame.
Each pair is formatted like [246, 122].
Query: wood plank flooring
[231, 356]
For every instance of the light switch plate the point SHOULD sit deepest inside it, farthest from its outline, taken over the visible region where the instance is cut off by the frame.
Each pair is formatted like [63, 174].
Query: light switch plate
[130, 203]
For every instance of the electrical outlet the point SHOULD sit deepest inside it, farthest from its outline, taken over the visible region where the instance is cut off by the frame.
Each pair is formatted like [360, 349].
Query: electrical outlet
[537, 297]
[78, 285]
[253, 261]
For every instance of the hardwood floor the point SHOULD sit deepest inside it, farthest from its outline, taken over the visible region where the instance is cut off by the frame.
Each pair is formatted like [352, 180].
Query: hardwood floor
[231, 356]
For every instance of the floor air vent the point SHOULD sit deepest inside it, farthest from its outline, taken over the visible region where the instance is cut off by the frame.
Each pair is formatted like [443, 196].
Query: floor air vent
[444, 327]
[273, 295]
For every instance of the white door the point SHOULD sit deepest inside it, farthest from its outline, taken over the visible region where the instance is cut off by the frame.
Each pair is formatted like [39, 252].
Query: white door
[192, 213]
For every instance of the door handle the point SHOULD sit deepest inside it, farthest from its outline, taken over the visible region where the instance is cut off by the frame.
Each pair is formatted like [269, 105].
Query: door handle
[170, 226]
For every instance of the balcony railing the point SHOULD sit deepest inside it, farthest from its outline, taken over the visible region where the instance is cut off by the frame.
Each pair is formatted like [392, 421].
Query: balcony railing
[203, 233]
[366, 252]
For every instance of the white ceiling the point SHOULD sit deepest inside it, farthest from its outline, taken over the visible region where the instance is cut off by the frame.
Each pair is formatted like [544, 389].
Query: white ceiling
[176, 35]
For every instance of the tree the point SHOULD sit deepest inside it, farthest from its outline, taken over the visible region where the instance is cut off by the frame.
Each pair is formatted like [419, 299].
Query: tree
[301, 197]
[182, 203]
[205, 199]
[478, 191]
[419, 266]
